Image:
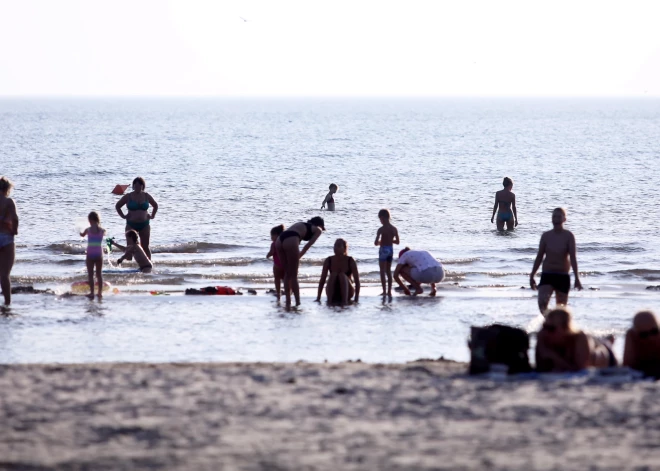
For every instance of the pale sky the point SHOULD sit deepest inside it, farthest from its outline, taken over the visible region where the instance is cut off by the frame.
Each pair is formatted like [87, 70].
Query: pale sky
[329, 48]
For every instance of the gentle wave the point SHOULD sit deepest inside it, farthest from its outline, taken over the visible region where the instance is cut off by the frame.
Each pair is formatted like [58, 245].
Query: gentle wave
[644, 273]
[186, 247]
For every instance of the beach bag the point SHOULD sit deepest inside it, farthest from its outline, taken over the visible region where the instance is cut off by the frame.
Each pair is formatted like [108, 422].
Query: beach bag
[498, 344]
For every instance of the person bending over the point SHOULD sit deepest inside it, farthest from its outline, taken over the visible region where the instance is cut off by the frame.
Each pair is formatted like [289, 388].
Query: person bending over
[417, 267]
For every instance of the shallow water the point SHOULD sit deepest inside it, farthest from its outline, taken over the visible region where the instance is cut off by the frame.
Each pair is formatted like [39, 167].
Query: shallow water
[225, 171]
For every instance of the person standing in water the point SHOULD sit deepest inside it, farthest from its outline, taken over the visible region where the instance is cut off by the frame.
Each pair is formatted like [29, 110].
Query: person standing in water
[8, 229]
[288, 250]
[95, 234]
[505, 205]
[329, 198]
[558, 248]
[386, 237]
[137, 202]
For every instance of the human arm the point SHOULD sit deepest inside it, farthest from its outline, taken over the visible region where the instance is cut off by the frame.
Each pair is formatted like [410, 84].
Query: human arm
[271, 252]
[629, 351]
[397, 278]
[396, 236]
[119, 246]
[153, 204]
[12, 216]
[122, 201]
[494, 209]
[326, 199]
[129, 252]
[515, 210]
[545, 355]
[378, 233]
[356, 278]
[84, 233]
[582, 352]
[572, 251]
[316, 235]
[324, 276]
[537, 263]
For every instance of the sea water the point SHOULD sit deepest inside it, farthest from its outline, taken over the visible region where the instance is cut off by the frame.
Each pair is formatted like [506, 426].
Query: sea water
[225, 171]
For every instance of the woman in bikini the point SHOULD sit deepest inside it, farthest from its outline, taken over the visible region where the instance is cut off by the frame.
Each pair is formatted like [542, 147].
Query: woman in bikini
[8, 229]
[343, 271]
[505, 205]
[560, 347]
[289, 253]
[137, 219]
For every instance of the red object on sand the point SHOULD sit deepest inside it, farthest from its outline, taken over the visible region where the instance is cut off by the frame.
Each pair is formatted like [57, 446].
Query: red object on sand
[119, 189]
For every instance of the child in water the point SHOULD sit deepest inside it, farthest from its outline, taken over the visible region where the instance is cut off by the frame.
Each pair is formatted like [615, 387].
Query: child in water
[278, 271]
[95, 234]
[329, 199]
[386, 236]
[136, 251]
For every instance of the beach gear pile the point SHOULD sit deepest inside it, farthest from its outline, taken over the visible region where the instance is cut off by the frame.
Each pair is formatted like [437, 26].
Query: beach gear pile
[213, 290]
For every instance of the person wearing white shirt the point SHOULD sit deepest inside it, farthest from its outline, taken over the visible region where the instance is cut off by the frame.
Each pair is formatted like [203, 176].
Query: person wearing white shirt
[417, 267]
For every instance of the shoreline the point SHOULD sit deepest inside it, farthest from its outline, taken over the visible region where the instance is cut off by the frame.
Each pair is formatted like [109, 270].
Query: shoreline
[353, 415]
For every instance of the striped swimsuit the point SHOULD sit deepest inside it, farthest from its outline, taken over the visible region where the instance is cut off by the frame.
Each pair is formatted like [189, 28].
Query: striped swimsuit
[95, 244]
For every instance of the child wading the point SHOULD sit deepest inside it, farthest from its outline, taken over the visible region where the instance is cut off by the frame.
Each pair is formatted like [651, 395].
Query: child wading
[95, 234]
[278, 271]
[386, 236]
[329, 198]
[135, 251]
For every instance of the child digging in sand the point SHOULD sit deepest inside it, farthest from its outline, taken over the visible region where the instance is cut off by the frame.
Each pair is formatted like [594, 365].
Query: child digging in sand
[95, 234]
[386, 236]
[135, 251]
[329, 198]
[278, 271]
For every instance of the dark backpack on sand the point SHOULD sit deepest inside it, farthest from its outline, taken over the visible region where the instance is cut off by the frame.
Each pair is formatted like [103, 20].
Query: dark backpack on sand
[498, 344]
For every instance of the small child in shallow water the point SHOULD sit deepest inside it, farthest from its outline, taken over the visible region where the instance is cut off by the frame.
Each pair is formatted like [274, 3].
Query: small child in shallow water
[95, 234]
[329, 198]
[386, 236]
[278, 271]
[135, 251]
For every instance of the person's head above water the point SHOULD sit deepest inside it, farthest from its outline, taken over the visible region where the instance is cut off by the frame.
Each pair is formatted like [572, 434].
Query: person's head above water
[133, 236]
[333, 187]
[507, 182]
[404, 250]
[94, 217]
[318, 222]
[5, 186]
[384, 214]
[139, 184]
[558, 216]
[341, 247]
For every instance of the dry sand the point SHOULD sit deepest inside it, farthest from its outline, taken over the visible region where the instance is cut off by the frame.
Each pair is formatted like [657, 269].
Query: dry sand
[422, 415]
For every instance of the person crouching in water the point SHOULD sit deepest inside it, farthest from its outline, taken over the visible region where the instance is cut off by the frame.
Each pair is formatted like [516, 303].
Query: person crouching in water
[134, 250]
[343, 271]
[95, 234]
[560, 347]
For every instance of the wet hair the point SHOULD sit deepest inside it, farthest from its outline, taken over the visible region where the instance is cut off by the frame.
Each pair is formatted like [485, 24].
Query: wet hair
[141, 181]
[132, 235]
[317, 221]
[564, 318]
[384, 214]
[561, 210]
[94, 217]
[507, 182]
[277, 230]
[344, 243]
[5, 185]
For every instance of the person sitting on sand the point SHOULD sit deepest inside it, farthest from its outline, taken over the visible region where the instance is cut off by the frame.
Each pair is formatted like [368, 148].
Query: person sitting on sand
[560, 347]
[417, 267]
[329, 198]
[505, 205]
[343, 271]
[557, 245]
[134, 250]
[642, 349]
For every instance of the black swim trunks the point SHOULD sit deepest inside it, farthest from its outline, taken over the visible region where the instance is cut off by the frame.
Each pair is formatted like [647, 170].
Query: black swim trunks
[559, 281]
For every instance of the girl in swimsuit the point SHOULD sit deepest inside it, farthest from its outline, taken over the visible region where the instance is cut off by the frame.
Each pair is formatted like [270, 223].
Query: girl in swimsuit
[8, 229]
[95, 234]
[134, 250]
[278, 272]
[329, 198]
[343, 270]
[137, 219]
[505, 205]
[289, 253]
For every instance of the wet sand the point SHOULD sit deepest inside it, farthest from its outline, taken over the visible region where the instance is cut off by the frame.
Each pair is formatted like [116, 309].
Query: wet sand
[303, 416]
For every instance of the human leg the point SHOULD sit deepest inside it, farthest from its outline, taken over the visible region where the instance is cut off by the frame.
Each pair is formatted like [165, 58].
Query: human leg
[344, 289]
[278, 274]
[90, 262]
[545, 293]
[290, 263]
[99, 275]
[331, 288]
[383, 268]
[388, 269]
[145, 238]
[408, 274]
[7, 257]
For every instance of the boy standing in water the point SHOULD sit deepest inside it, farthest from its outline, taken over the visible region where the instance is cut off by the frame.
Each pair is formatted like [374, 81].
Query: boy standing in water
[329, 199]
[558, 246]
[386, 236]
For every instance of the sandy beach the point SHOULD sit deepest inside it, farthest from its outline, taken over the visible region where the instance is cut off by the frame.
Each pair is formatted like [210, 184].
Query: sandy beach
[420, 415]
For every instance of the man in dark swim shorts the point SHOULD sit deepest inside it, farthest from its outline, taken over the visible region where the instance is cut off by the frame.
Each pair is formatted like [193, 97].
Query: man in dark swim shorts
[558, 248]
